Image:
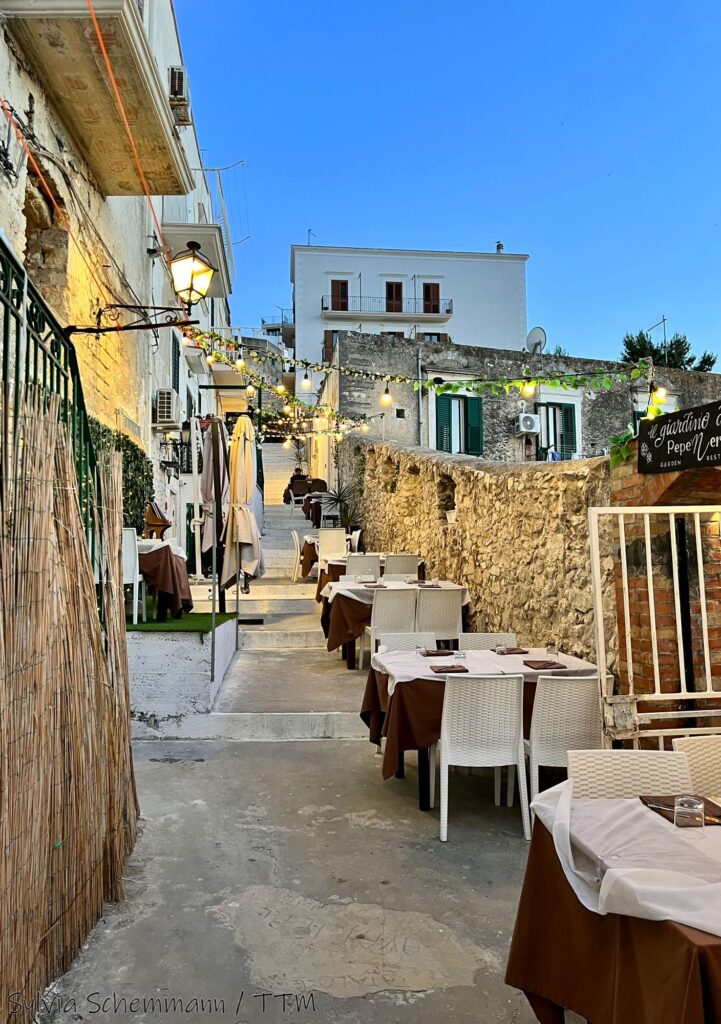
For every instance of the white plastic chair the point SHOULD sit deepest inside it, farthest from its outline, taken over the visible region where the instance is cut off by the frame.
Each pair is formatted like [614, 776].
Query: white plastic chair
[395, 577]
[566, 716]
[406, 565]
[405, 641]
[329, 512]
[296, 547]
[131, 572]
[485, 641]
[439, 612]
[704, 762]
[609, 774]
[482, 726]
[331, 544]
[364, 565]
[297, 500]
[394, 611]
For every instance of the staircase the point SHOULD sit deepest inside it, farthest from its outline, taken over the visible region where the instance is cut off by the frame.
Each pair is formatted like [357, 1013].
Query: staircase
[283, 684]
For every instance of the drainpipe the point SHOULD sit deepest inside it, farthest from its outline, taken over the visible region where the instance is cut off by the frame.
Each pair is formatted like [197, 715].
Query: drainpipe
[420, 398]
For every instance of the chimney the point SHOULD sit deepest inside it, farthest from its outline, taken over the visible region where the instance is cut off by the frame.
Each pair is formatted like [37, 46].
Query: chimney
[499, 247]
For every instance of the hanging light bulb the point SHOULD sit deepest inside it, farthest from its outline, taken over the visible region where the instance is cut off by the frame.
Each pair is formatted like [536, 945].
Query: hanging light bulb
[287, 443]
[364, 427]
[658, 393]
[306, 384]
[528, 389]
[386, 397]
[212, 358]
[287, 409]
[240, 362]
[338, 436]
[250, 391]
[280, 389]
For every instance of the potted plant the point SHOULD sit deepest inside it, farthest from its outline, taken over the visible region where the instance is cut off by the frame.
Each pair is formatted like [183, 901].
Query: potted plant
[346, 499]
[299, 451]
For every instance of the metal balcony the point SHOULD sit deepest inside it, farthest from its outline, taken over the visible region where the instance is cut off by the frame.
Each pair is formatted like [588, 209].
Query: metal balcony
[382, 308]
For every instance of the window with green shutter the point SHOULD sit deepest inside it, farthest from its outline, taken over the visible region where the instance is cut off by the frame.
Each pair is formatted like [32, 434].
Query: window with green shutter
[558, 420]
[443, 423]
[474, 426]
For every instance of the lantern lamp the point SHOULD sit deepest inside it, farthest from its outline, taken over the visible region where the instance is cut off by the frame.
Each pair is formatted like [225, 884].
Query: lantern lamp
[192, 273]
[185, 432]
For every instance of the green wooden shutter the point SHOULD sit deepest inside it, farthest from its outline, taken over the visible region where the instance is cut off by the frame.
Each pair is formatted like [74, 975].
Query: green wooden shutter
[474, 426]
[567, 445]
[443, 423]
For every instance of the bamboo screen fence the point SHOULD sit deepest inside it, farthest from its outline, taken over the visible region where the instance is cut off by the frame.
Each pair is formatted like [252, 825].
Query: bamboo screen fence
[68, 807]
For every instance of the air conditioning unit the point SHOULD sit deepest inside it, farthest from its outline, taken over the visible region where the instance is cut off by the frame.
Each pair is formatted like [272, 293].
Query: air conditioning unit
[166, 409]
[179, 94]
[528, 423]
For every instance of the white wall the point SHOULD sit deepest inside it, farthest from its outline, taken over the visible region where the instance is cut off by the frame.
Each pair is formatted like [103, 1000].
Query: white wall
[488, 292]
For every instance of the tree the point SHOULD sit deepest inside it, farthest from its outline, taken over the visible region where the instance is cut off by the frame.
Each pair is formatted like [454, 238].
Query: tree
[676, 353]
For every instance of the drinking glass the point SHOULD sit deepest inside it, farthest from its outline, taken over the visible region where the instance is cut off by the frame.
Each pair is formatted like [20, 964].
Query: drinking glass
[552, 651]
[688, 812]
[501, 648]
[459, 655]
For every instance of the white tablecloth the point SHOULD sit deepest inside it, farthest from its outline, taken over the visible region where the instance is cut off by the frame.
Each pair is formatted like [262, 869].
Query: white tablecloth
[622, 858]
[404, 666]
[360, 592]
[146, 546]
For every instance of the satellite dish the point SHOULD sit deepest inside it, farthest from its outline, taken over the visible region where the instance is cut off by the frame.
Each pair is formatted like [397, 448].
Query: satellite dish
[536, 340]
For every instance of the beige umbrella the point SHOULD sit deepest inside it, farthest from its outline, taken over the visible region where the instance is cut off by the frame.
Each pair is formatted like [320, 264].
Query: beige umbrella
[241, 535]
[207, 482]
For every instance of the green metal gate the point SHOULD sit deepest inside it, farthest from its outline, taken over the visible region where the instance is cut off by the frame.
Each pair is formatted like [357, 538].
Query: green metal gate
[37, 352]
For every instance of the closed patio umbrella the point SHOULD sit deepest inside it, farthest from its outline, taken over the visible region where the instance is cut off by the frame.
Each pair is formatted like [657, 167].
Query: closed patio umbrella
[243, 547]
[214, 467]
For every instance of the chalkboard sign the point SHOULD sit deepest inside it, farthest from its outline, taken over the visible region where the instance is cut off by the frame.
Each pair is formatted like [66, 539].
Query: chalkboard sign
[687, 439]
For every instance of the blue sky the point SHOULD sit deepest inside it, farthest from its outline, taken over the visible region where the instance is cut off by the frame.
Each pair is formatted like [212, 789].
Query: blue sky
[585, 134]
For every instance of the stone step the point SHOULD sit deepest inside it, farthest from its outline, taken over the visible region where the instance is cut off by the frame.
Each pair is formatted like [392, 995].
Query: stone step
[259, 727]
[268, 589]
[262, 639]
[258, 606]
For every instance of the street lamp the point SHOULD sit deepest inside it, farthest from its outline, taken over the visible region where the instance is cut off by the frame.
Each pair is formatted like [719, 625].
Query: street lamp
[192, 273]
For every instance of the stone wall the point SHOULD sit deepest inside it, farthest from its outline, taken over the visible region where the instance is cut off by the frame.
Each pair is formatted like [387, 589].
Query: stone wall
[410, 421]
[519, 542]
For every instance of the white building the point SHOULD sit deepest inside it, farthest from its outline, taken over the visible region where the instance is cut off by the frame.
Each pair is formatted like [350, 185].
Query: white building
[74, 213]
[471, 298]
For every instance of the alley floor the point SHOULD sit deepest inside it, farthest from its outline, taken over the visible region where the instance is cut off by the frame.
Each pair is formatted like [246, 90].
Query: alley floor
[284, 879]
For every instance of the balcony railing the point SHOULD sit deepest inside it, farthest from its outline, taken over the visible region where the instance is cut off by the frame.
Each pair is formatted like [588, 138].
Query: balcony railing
[382, 304]
[285, 317]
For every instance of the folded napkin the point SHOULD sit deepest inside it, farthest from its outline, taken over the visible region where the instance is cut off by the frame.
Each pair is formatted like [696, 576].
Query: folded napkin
[445, 670]
[437, 654]
[429, 586]
[543, 665]
[663, 805]
[375, 586]
[512, 650]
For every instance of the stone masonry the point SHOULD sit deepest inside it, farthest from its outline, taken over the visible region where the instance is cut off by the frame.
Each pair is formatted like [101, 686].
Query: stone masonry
[606, 414]
[519, 542]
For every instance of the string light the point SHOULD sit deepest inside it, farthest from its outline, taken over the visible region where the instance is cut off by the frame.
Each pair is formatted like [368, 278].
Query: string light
[287, 410]
[212, 358]
[288, 443]
[280, 389]
[386, 397]
[306, 384]
[250, 391]
[528, 389]
[364, 427]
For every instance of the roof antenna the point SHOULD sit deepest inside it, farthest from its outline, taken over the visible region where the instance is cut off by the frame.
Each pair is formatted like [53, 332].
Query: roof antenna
[311, 233]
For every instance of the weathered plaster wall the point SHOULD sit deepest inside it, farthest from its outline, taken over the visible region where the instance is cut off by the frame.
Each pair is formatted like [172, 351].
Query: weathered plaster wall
[519, 542]
[601, 416]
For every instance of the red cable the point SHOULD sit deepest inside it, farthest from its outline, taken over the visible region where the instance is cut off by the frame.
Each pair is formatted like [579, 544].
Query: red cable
[50, 194]
[131, 139]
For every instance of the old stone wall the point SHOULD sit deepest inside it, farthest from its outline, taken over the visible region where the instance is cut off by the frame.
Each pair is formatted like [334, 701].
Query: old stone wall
[601, 414]
[519, 543]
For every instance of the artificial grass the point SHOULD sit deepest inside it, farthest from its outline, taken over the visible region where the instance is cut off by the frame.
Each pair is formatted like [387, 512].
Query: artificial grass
[191, 622]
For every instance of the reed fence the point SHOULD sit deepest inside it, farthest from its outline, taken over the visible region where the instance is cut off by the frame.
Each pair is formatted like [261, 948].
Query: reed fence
[68, 806]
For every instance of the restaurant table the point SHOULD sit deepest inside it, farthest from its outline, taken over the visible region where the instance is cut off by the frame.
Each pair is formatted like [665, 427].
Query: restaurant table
[167, 572]
[336, 568]
[308, 555]
[348, 607]
[610, 968]
[403, 700]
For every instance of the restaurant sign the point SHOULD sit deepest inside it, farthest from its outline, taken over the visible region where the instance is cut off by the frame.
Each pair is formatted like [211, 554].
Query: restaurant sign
[687, 439]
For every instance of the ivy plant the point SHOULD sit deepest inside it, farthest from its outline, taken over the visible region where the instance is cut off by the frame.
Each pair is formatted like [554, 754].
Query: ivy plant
[137, 471]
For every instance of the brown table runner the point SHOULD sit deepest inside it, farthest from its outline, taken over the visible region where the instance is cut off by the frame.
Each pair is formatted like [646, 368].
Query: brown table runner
[347, 620]
[411, 718]
[309, 556]
[610, 969]
[168, 574]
